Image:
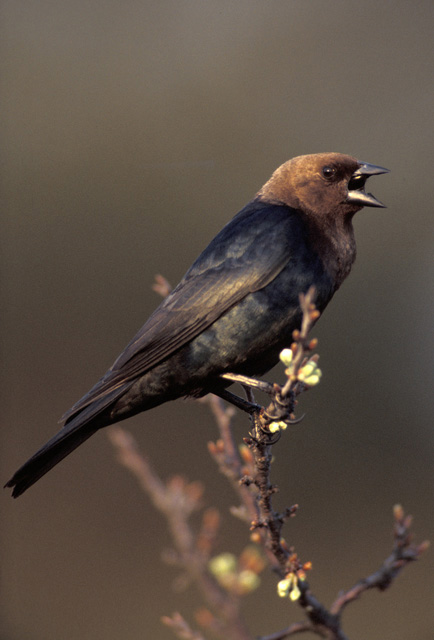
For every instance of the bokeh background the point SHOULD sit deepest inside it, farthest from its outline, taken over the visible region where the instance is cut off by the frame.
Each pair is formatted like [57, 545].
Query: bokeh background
[131, 132]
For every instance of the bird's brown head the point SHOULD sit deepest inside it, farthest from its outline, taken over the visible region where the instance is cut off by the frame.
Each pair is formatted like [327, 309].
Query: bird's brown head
[323, 184]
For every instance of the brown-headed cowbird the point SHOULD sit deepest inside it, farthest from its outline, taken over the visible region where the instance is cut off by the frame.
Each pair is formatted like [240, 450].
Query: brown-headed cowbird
[238, 304]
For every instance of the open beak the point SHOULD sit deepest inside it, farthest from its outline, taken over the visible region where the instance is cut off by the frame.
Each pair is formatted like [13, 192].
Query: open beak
[356, 185]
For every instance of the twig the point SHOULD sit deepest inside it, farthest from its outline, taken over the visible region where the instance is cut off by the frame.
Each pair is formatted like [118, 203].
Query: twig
[292, 630]
[404, 552]
[181, 627]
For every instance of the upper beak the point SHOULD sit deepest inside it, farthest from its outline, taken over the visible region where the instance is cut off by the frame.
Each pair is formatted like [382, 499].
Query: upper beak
[356, 185]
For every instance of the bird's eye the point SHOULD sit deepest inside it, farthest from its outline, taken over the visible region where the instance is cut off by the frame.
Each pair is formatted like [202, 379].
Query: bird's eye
[328, 172]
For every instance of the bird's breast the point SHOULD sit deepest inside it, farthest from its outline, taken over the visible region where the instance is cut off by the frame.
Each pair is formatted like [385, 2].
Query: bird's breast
[249, 337]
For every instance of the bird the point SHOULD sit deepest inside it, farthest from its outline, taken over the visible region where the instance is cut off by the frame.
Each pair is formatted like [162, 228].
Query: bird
[236, 307]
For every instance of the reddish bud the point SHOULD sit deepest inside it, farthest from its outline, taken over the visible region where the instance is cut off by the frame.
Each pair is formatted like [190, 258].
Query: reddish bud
[251, 559]
[423, 547]
[255, 537]
[211, 518]
[398, 512]
[246, 455]
[284, 544]
[204, 618]
[195, 490]
[220, 446]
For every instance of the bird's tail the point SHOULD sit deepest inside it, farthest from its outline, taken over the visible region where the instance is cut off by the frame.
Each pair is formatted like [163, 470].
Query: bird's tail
[60, 445]
[81, 423]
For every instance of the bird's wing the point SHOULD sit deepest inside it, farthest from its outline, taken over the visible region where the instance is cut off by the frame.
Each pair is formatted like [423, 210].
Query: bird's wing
[244, 257]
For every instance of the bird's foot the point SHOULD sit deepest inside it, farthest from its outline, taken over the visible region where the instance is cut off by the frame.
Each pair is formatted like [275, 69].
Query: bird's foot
[280, 409]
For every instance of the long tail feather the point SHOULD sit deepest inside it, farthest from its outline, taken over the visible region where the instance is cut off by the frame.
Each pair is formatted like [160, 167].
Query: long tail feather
[61, 445]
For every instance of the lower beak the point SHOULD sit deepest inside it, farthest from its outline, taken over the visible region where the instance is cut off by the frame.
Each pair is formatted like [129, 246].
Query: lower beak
[356, 186]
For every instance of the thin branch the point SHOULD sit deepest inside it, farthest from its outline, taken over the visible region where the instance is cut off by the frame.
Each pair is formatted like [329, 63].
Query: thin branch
[181, 627]
[292, 630]
[404, 552]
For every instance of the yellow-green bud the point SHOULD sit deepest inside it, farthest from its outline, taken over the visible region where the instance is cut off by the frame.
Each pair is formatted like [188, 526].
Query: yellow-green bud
[223, 564]
[313, 380]
[284, 587]
[295, 592]
[307, 370]
[248, 580]
[286, 357]
[273, 427]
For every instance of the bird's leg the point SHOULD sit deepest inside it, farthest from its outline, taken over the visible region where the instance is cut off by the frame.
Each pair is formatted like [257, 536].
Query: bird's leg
[249, 394]
[254, 411]
[261, 385]
[240, 403]
[280, 408]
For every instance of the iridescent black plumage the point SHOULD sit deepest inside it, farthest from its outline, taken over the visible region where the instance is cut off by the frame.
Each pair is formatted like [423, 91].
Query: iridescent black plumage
[237, 305]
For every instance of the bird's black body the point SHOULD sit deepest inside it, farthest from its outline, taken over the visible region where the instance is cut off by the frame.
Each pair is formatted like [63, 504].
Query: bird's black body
[242, 294]
[233, 312]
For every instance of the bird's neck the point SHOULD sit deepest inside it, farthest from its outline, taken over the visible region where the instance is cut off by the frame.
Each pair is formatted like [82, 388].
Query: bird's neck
[334, 242]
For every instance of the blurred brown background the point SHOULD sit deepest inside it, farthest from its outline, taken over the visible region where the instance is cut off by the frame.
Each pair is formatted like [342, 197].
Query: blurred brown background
[131, 132]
